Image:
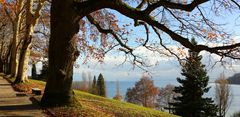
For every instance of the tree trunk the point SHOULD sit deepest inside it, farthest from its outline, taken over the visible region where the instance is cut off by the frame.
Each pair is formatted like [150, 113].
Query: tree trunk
[14, 58]
[7, 58]
[23, 63]
[15, 41]
[1, 66]
[1, 54]
[5, 68]
[25, 50]
[62, 54]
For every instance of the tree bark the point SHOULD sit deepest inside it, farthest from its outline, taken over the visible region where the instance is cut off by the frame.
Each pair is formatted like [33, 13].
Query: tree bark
[1, 66]
[7, 59]
[23, 63]
[2, 53]
[14, 49]
[62, 54]
[15, 41]
[24, 51]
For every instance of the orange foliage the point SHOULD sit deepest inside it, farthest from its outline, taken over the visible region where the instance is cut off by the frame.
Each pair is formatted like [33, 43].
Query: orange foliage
[211, 35]
[143, 93]
[93, 43]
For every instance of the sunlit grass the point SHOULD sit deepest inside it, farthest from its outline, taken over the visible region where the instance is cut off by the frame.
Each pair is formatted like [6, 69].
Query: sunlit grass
[37, 81]
[96, 106]
[117, 108]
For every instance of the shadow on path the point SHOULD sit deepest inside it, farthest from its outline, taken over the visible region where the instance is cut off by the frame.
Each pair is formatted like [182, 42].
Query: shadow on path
[5, 84]
[19, 107]
[15, 116]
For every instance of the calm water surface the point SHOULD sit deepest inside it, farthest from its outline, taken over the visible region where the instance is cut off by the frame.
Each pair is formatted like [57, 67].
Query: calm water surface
[235, 89]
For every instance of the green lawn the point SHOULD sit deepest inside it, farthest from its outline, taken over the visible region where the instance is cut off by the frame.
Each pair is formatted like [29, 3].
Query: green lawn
[108, 107]
[38, 82]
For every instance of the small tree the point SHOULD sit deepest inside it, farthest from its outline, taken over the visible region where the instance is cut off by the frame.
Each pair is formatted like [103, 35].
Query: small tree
[222, 95]
[101, 86]
[34, 71]
[90, 82]
[84, 83]
[166, 96]
[143, 93]
[44, 71]
[118, 95]
[94, 86]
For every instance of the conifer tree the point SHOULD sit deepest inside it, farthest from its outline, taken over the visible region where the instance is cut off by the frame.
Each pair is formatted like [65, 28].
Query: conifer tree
[191, 103]
[101, 86]
[94, 86]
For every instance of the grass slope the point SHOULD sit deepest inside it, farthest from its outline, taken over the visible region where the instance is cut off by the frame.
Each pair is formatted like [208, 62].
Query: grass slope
[96, 106]
[108, 107]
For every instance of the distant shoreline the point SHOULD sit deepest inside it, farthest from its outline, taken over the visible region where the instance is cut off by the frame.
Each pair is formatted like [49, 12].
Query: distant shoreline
[229, 83]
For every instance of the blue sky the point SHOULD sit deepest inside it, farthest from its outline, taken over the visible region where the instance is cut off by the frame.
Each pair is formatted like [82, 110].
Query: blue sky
[166, 68]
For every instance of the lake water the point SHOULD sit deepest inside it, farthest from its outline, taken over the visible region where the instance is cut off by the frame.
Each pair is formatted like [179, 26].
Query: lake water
[234, 107]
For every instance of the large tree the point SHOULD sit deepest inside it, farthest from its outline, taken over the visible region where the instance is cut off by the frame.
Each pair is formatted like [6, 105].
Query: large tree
[191, 103]
[171, 20]
[64, 27]
[31, 21]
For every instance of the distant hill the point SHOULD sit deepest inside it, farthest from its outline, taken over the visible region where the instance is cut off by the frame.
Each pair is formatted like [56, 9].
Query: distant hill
[235, 79]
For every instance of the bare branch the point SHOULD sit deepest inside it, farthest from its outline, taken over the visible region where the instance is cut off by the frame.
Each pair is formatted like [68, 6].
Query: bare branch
[236, 3]
[137, 23]
[108, 31]
[172, 5]
[126, 49]
[141, 4]
[161, 43]
[141, 15]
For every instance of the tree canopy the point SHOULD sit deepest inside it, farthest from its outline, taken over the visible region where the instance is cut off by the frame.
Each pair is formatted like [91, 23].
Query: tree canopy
[175, 20]
[143, 93]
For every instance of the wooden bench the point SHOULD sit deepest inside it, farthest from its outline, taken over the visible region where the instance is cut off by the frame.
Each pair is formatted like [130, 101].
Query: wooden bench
[36, 91]
[21, 94]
